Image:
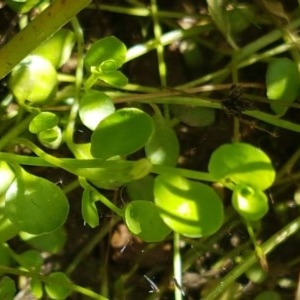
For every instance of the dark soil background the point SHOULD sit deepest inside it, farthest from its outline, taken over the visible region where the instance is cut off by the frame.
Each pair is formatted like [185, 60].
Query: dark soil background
[120, 266]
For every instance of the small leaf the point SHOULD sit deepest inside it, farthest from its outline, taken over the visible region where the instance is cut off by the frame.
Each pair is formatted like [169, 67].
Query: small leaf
[250, 203]
[43, 121]
[51, 138]
[7, 288]
[121, 133]
[115, 78]
[93, 107]
[143, 220]
[35, 205]
[163, 146]
[241, 163]
[31, 260]
[190, 208]
[283, 82]
[34, 79]
[88, 209]
[107, 49]
[58, 286]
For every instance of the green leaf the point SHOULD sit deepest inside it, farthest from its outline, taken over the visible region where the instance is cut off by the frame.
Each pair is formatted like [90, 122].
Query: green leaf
[121, 133]
[88, 208]
[190, 208]
[36, 287]
[107, 49]
[141, 189]
[240, 163]
[94, 106]
[6, 177]
[194, 116]
[58, 48]
[57, 286]
[52, 242]
[34, 79]
[143, 220]
[268, 295]
[283, 82]
[163, 147]
[31, 260]
[51, 138]
[7, 288]
[115, 78]
[34, 204]
[250, 203]
[43, 121]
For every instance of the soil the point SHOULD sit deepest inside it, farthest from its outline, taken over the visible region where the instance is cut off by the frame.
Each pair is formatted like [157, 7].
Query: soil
[120, 265]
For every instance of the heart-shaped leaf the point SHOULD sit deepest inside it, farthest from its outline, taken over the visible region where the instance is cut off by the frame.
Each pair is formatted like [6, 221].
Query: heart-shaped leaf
[121, 133]
[143, 220]
[190, 208]
[241, 163]
[34, 204]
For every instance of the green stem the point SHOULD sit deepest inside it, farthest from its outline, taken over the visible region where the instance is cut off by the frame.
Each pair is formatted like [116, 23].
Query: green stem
[56, 15]
[215, 291]
[177, 266]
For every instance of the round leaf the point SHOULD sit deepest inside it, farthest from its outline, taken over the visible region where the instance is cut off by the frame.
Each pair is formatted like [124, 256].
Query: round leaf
[7, 288]
[93, 107]
[57, 286]
[58, 48]
[34, 79]
[51, 138]
[241, 163]
[121, 133]
[190, 208]
[162, 147]
[250, 203]
[35, 205]
[282, 81]
[115, 78]
[143, 220]
[43, 121]
[107, 49]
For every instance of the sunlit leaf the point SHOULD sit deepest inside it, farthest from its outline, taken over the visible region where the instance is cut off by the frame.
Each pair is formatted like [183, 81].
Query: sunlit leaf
[239, 163]
[250, 203]
[93, 107]
[35, 205]
[283, 82]
[121, 133]
[163, 147]
[190, 208]
[143, 220]
[107, 49]
[43, 121]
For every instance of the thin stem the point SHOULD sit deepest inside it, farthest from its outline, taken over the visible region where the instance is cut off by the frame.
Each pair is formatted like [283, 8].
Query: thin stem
[177, 267]
[278, 238]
